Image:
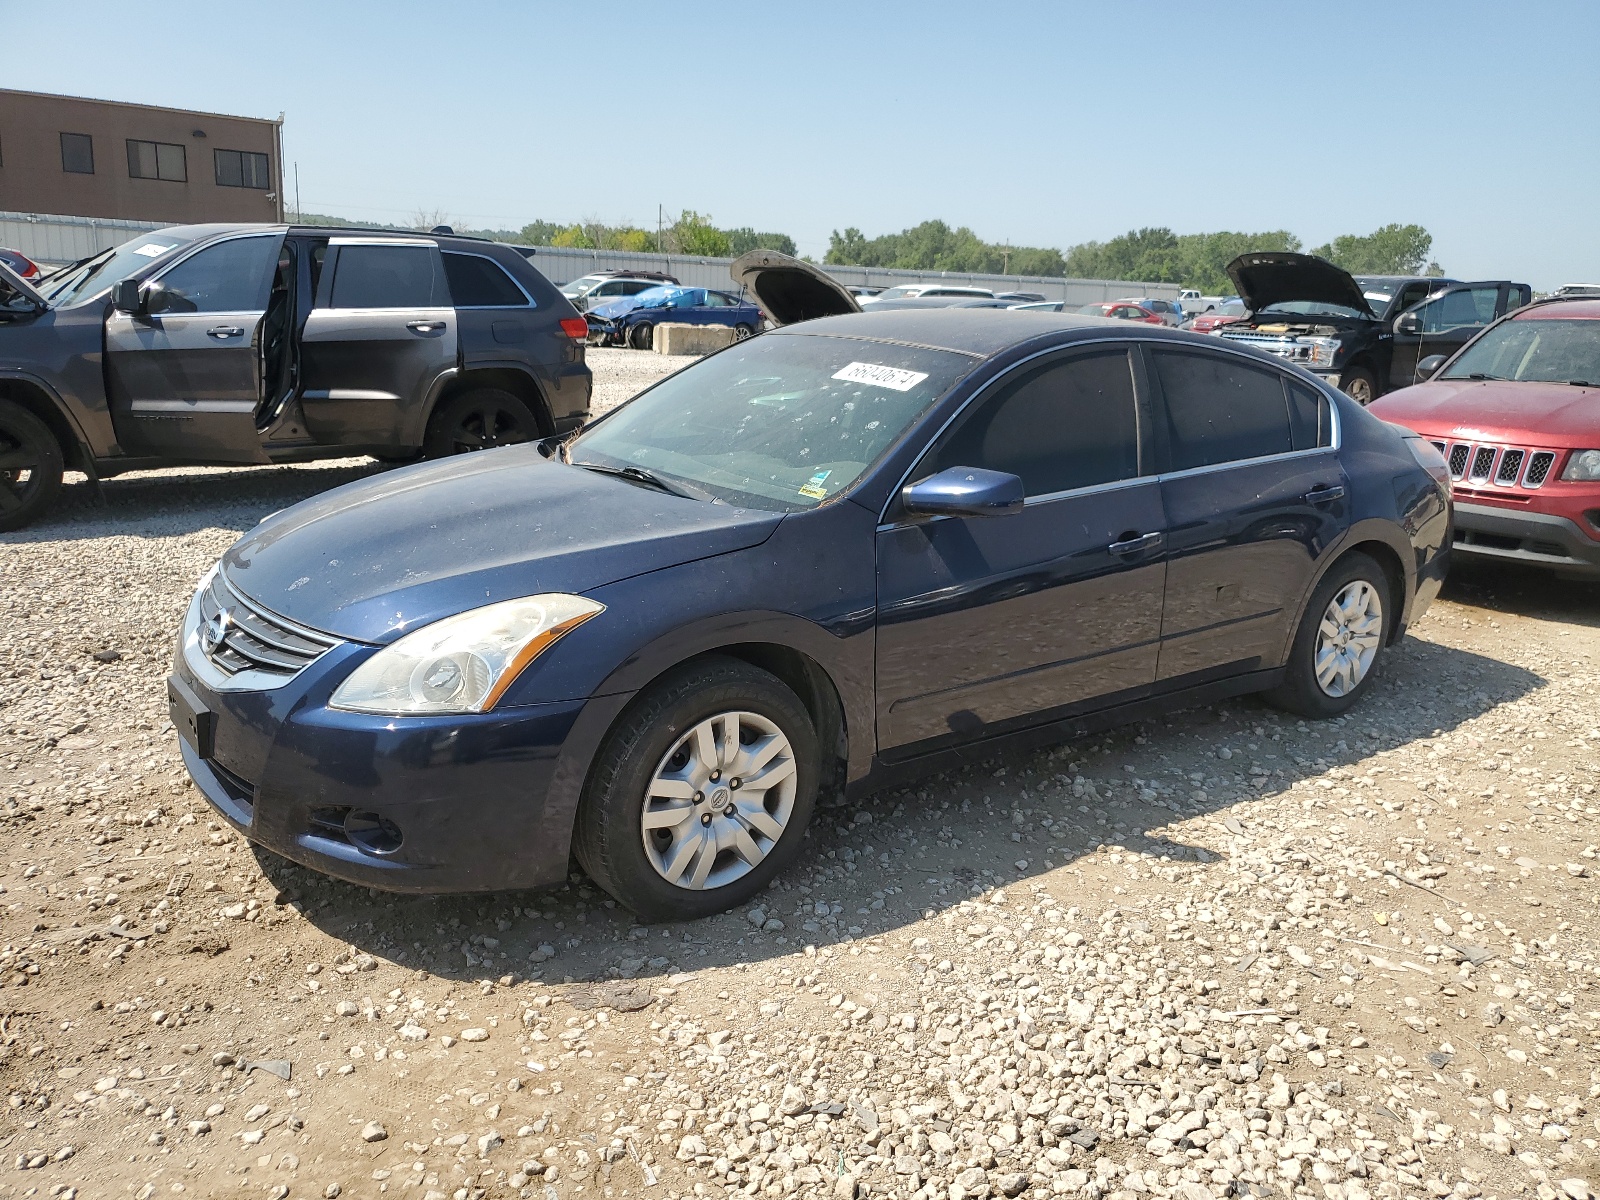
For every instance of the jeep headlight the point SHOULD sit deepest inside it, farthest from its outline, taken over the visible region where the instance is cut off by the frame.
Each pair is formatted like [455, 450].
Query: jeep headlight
[464, 663]
[1323, 351]
[1583, 466]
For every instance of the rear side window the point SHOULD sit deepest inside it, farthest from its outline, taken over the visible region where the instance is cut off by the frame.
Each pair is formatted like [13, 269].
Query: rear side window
[233, 276]
[1060, 426]
[381, 276]
[478, 282]
[1218, 410]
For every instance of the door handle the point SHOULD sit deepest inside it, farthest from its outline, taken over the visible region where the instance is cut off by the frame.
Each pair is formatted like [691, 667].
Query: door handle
[225, 331]
[425, 326]
[1325, 495]
[1145, 541]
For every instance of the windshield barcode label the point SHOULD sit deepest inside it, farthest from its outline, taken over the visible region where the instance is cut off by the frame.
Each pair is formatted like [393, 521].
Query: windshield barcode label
[892, 378]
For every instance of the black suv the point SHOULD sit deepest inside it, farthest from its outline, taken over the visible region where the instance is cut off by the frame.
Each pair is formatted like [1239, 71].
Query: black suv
[1365, 334]
[274, 343]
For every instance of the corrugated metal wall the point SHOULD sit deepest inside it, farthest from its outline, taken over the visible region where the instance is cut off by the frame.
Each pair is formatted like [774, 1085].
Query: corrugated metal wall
[53, 240]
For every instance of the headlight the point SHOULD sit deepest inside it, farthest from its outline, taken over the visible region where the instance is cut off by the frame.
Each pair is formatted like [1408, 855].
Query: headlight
[1583, 466]
[464, 663]
[1323, 350]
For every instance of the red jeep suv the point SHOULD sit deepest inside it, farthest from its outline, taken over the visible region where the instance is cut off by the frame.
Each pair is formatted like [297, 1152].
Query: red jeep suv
[1516, 413]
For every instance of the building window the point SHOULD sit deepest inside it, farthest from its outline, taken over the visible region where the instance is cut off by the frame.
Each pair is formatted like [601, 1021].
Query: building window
[157, 160]
[77, 153]
[242, 168]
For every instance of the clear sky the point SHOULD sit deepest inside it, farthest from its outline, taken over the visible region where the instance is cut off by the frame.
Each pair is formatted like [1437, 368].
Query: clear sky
[1039, 123]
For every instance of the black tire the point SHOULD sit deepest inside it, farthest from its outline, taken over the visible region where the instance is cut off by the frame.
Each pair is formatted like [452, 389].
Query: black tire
[479, 419]
[1360, 384]
[609, 839]
[30, 466]
[642, 336]
[1300, 692]
[741, 332]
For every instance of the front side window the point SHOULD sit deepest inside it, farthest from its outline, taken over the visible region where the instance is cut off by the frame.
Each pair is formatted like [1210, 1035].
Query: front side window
[157, 160]
[243, 169]
[89, 279]
[77, 153]
[779, 423]
[478, 282]
[1462, 308]
[1533, 350]
[387, 276]
[1060, 426]
[232, 276]
[1219, 410]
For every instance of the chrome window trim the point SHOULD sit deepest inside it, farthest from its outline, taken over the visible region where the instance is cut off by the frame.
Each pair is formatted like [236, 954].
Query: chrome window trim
[1336, 427]
[425, 243]
[531, 302]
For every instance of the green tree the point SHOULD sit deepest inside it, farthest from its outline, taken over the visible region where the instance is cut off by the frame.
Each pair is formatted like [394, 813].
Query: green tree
[1392, 250]
[540, 233]
[693, 233]
[745, 239]
[574, 237]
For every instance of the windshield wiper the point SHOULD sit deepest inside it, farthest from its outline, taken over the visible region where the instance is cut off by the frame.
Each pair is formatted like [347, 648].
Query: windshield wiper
[1481, 377]
[648, 478]
[1579, 383]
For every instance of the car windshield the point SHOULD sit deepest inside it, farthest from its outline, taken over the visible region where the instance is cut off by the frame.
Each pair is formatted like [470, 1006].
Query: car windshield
[898, 293]
[90, 278]
[1533, 351]
[578, 286]
[1314, 308]
[781, 422]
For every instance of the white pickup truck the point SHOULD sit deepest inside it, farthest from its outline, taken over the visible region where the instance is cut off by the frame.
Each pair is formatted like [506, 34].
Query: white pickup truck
[1193, 303]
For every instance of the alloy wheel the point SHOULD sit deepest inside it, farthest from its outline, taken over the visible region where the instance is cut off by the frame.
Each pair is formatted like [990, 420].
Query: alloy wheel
[719, 801]
[21, 469]
[491, 424]
[1348, 638]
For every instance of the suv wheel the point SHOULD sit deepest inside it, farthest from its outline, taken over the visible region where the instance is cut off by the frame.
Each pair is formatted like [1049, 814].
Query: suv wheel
[30, 466]
[701, 794]
[1339, 643]
[642, 336]
[1360, 384]
[479, 419]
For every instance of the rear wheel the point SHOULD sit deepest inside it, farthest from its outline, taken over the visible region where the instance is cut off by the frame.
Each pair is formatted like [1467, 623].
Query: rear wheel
[701, 794]
[642, 336]
[1360, 384]
[479, 419]
[1340, 641]
[30, 466]
[740, 332]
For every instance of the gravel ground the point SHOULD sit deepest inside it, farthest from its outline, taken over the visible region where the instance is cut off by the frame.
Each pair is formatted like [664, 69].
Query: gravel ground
[1224, 954]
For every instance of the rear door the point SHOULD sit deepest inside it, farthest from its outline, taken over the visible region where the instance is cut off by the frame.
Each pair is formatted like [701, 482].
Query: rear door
[185, 381]
[1446, 323]
[381, 335]
[1254, 494]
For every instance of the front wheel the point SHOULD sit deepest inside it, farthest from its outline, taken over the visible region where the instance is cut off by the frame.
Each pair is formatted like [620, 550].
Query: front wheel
[642, 336]
[1360, 384]
[479, 419]
[30, 466]
[1340, 641]
[701, 794]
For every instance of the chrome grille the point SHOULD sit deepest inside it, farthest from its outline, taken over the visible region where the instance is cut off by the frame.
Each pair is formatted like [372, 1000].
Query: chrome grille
[1503, 466]
[254, 639]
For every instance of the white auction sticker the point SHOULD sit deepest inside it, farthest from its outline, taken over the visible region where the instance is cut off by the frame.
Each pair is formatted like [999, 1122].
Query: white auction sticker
[892, 378]
[151, 250]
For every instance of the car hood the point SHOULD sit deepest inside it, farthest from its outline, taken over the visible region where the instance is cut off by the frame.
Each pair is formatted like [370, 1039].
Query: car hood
[13, 288]
[1273, 278]
[372, 560]
[1553, 415]
[789, 290]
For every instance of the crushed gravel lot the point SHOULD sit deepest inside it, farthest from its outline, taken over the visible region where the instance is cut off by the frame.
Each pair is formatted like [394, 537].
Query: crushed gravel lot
[1227, 953]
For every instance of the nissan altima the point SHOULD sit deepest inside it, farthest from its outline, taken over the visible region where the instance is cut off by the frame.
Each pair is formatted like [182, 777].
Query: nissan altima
[836, 552]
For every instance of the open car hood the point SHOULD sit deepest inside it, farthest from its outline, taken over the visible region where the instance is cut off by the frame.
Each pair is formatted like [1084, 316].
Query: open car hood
[13, 288]
[790, 290]
[1266, 278]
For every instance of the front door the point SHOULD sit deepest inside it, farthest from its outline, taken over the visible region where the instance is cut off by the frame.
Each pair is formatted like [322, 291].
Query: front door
[381, 335]
[1446, 323]
[185, 380]
[984, 622]
[1254, 493]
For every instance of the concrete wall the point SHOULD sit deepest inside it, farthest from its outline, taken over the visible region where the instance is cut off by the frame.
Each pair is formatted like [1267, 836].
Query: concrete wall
[33, 178]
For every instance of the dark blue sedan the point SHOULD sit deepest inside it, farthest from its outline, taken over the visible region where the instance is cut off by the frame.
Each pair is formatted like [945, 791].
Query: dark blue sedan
[817, 559]
[632, 321]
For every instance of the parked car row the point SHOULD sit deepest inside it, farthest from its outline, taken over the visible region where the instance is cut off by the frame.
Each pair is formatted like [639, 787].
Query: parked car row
[631, 320]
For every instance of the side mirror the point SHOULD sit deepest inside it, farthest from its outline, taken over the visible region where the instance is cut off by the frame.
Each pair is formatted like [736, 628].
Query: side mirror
[1408, 325]
[964, 492]
[126, 297]
[1428, 366]
[156, 298]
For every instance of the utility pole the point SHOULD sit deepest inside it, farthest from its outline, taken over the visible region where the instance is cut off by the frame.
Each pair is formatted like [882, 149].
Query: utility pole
[297, 209]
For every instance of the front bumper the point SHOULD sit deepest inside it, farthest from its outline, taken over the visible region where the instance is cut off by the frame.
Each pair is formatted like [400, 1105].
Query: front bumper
[1536, 539]
[421, 804]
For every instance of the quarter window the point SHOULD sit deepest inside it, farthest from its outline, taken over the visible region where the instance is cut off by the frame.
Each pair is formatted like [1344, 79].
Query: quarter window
[1060, 426]
[380, 276]
[1218, 410]
[77, 153]
[478, 282]
[233, 276]
[157, 160]
[242, 169]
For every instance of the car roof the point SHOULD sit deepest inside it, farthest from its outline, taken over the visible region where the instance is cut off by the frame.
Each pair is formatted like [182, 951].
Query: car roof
[977, 331]
[1560, 309]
